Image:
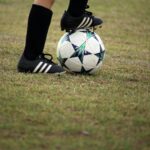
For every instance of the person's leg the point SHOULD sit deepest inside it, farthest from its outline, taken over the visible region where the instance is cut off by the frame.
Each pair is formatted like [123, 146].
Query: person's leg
[45, 3]
[38, 25]
[76, 17]
[39, 20]
[76, 8]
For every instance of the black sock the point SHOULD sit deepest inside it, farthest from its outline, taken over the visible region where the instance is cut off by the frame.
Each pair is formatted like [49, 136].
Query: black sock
[38, 25]
[77, 7]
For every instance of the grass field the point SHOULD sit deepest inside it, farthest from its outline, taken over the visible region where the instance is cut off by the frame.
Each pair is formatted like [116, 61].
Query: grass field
[107, 111]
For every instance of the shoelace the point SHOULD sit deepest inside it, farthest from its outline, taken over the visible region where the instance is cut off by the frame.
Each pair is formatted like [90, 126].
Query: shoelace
[48, 60]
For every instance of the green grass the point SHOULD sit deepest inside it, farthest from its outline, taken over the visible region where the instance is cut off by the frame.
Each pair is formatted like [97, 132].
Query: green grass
[107, 111]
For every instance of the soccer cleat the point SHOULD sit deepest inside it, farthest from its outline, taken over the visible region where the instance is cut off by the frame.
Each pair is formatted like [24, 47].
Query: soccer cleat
[39, 65]
[87, 20]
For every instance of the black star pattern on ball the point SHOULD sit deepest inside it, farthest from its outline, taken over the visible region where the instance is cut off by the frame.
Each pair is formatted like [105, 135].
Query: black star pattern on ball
[62, 61]
[66, 38]
[100, 55]
[80, 52]
[83, 71]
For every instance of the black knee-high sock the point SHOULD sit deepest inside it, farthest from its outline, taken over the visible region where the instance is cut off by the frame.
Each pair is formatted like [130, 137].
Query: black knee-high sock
[38, 25]
[77, 7]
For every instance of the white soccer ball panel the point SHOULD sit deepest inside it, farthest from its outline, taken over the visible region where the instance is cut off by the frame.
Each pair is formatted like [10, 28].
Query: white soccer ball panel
[92, 46]
[78, 38]
[60, 42]
[74, 64]
[66, 49]
[98, 67]
[62, 39]
[100, 41]
[90, 62]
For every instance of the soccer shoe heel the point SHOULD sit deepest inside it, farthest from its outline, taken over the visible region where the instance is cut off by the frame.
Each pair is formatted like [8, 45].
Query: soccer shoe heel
[22, 70]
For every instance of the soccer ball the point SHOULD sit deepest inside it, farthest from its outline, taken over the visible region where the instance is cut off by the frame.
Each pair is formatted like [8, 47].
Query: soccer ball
[81, 52]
